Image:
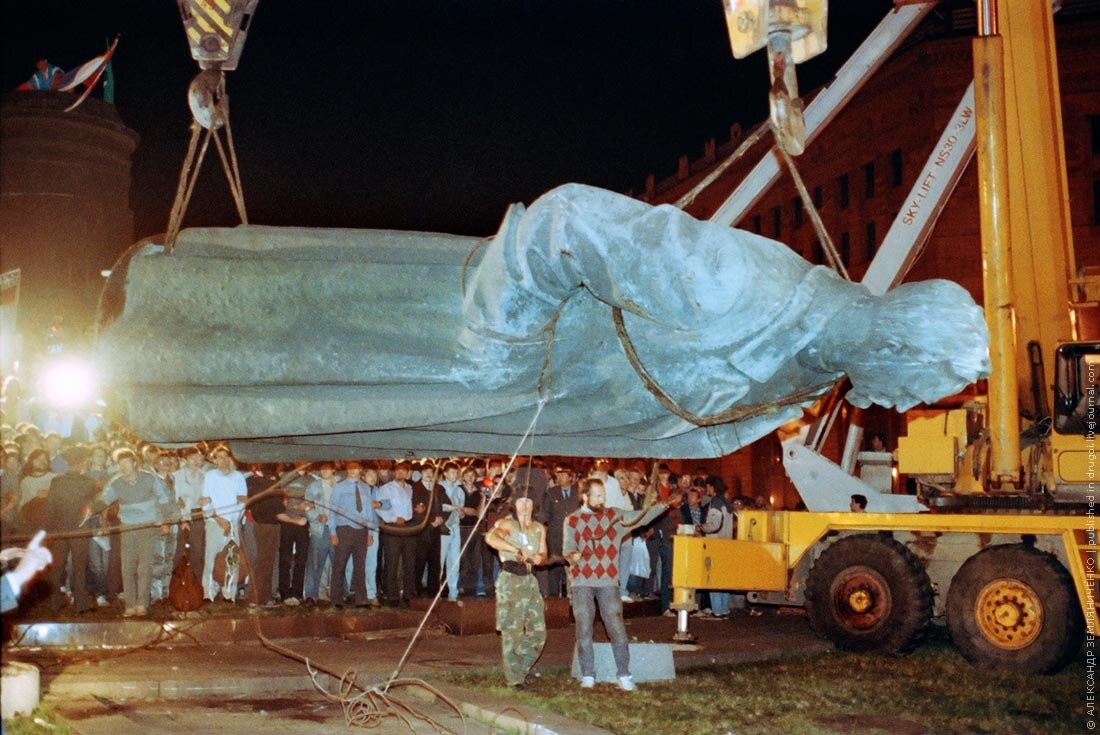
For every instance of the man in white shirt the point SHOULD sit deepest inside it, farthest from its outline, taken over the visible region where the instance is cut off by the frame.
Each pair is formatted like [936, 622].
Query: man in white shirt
[222, 488]
[189, 481]
[399, 550]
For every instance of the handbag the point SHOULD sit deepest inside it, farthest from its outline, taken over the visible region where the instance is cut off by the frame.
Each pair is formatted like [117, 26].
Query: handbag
[184, 590]
[639, 558]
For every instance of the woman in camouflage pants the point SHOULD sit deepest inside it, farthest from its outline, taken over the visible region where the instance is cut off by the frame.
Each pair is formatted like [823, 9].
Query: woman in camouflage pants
[521, 618]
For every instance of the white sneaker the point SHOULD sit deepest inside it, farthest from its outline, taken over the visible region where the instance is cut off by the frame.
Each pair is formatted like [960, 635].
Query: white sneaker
[627, 598]
[626, 683]
[291, 602]
[588, 682]
[101, 601]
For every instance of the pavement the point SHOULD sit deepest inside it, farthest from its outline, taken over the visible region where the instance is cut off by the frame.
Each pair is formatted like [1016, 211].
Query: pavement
[242, 687]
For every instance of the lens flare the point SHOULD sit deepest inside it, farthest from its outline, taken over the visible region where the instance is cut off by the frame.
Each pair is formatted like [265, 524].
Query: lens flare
[68, 384]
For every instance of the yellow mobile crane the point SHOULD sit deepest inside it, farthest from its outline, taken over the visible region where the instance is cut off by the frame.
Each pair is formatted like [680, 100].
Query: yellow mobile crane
[1006, 547]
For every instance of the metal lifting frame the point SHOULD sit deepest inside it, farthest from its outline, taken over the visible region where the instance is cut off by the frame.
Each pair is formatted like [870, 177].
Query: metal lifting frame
[871, 54]
[913, 225]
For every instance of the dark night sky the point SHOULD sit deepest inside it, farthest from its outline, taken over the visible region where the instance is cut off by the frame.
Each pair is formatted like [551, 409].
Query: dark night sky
[428, 115]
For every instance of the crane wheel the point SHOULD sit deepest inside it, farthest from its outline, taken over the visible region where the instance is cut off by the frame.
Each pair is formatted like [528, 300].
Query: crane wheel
[1014, 608]
[869, 593]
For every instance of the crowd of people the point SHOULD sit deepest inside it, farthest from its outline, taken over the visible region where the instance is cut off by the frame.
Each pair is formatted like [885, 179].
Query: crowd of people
[121, 514]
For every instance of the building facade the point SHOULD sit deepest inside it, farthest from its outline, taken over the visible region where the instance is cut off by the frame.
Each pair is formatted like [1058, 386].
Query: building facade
[861, 168]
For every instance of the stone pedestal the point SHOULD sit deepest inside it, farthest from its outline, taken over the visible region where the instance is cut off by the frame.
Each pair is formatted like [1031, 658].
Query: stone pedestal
[648, 662]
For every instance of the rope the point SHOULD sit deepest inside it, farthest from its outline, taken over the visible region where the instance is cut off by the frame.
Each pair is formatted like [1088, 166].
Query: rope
[546, 377]
[819, 227]
[124, 528]
[232, 176]
[480, 518]
[734, 413]
[192, 165]
[466, 263]
[236, 174]
[186, 185]
[688, 199]
[371, 705]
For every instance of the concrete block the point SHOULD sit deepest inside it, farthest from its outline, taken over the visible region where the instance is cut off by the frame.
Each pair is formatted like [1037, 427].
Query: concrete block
[21, 690]
[648, 662]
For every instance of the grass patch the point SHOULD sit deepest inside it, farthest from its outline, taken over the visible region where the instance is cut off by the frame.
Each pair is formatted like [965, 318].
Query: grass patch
[44, 721]
[932, 691]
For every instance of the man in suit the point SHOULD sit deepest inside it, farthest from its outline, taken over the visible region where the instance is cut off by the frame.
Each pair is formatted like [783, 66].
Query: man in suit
[427, 500]
[562, 499]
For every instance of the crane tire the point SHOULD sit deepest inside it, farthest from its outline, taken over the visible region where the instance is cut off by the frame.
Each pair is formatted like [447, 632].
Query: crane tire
[868, 592]
[1014, 608]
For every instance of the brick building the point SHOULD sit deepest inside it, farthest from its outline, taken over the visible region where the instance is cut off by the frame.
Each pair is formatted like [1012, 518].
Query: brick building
[860, 170]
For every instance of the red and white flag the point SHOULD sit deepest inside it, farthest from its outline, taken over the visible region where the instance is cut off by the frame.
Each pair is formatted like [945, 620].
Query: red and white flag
[87, 74]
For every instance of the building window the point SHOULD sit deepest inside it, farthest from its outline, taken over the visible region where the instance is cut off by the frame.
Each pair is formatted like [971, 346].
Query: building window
[869, 180]
[1094, 133]
[842, 185]
[757, 226]
[872, 241]
[896, 169]
[845, 248]
[796, 220]
[819, 197]
[777, 222]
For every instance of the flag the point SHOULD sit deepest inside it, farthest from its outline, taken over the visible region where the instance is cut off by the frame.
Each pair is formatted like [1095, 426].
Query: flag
[109, 82]
[87, 74]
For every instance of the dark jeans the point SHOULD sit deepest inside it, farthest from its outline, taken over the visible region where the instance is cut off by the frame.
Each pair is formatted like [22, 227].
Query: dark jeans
[427, 556]
[267, 548]
[665, 550]
[78, 573]
[555, 576]
[468, 565]
[484, 559]
[400, 554]
[585, 600]
[293, 552]
[353, 543]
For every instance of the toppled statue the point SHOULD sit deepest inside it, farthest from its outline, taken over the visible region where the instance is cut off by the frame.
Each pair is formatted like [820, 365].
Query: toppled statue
[310, 343]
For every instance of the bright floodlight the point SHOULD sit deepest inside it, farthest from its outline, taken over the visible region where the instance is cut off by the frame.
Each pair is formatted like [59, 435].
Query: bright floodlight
[68, 384]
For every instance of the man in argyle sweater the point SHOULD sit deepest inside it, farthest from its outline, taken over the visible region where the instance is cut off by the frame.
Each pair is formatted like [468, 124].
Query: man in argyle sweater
[592, 536]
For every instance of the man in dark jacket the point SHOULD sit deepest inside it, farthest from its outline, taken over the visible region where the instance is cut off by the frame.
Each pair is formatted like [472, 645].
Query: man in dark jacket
[561, 499]
[67, 508]
[427, 500]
